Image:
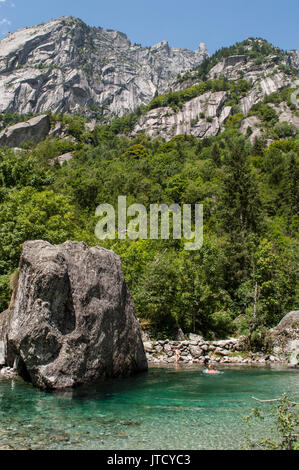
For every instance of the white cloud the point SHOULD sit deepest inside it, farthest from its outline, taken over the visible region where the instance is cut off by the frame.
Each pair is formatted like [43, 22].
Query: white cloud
[5, 21]
[12, 4]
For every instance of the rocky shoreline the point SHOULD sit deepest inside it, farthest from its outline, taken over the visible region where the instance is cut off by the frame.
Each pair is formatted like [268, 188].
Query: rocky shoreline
[196, 350]
[284, 339]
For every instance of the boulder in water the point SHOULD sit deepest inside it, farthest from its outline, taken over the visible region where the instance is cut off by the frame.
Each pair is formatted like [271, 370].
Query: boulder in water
[72, 320]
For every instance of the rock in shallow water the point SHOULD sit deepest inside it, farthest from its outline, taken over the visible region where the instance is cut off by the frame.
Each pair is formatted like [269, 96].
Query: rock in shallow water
[72, 320]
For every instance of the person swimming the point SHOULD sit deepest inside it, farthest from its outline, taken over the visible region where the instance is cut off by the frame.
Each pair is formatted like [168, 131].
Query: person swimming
[211, 369]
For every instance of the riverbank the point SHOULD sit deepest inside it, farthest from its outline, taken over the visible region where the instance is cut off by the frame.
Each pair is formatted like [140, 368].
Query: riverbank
[196, 350]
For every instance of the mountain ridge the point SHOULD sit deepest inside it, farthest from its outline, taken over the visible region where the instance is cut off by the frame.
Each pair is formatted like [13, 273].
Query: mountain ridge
[65, 66]
[87, 67]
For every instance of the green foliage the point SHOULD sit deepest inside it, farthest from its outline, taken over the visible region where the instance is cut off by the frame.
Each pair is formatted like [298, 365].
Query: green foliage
[222, 323]
[235, 121]
[176, 99]
[267, 114]
[250, 200]
[18, 170]
[75, 127]
[28, 214]
[240, 203]
[283, 130]
[9, 118]
[285, 434]
[135, 151]
[281, 96]
[5, 292]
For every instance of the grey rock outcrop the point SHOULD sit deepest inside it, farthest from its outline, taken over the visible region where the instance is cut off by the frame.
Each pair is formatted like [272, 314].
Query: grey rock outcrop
[293, 59]
[263, 87]
[252, 123]
[72, 320]
[205, 115]
[286, 115]
[66, 66]
[2, 354]
[35, 129]
[202, 116]
[65, 158]
[285, 338]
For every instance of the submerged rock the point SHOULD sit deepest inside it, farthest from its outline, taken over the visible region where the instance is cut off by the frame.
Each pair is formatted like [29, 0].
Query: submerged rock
[72, 320]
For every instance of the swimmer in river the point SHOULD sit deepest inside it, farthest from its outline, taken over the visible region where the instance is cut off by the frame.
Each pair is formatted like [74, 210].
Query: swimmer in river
[211, 369]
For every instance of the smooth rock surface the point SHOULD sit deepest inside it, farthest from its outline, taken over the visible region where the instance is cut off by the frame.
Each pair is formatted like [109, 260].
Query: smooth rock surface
[35, 129]
[289, 323]
[165, 122]
[251, 122]
[72, 321]
[65, 158]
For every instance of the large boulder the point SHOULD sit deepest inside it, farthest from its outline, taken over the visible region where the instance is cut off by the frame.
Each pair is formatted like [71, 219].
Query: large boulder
[35, 129]
[285, 338]
[72, 318]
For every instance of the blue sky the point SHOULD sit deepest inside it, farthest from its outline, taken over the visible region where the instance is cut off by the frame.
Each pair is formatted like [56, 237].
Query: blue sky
[184, 23]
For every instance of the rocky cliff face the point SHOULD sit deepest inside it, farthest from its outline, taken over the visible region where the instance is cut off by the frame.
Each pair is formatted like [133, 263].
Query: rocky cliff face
[66, 66]
[71, 320]
[293, 59]
[205, 115]
[166, 122]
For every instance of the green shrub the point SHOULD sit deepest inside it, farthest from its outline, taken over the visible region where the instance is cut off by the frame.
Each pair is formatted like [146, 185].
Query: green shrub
[222, 324]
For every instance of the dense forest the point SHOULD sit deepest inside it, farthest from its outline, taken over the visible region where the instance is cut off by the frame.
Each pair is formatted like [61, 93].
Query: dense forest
[244, 277]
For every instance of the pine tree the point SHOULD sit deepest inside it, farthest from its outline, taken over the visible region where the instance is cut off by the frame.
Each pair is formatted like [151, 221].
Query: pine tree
[290, 193]
[239, 212]
[240, 205]
[215, 154]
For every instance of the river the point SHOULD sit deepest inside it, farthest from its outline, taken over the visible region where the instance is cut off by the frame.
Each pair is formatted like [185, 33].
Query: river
[166, 408]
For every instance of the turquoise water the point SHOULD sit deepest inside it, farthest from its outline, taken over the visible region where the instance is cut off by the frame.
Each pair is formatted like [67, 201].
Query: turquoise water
[166, 408]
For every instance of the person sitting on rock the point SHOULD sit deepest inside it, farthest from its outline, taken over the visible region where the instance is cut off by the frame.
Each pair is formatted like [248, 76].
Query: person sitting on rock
[177, 355]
